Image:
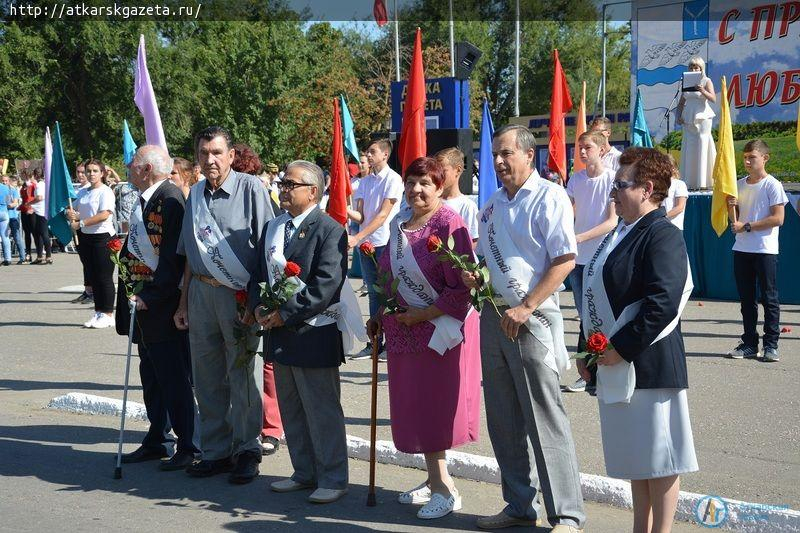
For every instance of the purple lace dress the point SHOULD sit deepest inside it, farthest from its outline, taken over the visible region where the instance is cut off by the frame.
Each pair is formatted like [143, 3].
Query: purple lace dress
[434, 399]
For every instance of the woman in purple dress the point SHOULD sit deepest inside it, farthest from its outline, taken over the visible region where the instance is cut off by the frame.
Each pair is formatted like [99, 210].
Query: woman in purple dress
[433, 346]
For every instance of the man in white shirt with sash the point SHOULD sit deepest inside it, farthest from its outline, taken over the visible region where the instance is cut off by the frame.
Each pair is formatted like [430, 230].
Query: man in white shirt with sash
[225, 215]
[303, 336]
[527, 237]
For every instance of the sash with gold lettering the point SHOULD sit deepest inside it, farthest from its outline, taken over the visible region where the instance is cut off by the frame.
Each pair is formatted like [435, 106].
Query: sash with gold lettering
[345, 313]
[616, 383]
[216, 253]
[511, 276]
[416, 290]
[138, 241]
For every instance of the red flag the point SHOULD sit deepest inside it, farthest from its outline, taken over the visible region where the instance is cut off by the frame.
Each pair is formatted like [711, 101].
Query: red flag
[340, 180]
[560, 105]
[379, 12]
[413, 143]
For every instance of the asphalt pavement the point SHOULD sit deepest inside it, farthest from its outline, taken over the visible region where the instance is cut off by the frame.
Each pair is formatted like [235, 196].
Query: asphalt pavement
[57, 467]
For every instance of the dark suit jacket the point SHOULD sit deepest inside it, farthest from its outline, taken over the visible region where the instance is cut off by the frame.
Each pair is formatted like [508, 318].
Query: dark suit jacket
[163, 217]
[650, 263]
[319, 246]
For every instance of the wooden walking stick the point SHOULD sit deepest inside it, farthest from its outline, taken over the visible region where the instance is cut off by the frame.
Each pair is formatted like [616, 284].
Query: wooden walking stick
[373, 423]
[118, 469]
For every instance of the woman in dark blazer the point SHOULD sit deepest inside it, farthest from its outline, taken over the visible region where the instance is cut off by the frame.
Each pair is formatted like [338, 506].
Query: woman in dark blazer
[635, 289]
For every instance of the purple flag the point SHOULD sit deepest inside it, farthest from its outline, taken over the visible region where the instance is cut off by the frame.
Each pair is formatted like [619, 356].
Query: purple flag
[46, 163]
[145, 100]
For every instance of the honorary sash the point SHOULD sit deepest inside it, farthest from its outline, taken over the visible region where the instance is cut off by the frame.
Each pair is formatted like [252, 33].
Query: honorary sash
[345, 313]
[417, 291]
[138, 241]
[616, 383]
[216, 253]
[511, 276]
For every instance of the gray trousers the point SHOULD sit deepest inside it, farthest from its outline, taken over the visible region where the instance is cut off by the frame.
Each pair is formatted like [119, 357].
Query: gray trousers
[227, 396]
[528, 426]
[313, 421]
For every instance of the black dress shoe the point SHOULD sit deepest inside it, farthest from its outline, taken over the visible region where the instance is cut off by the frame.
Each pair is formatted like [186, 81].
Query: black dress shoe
[208, 468]
[143, 453]
[269, 445]
[179, 461]
[246, 468]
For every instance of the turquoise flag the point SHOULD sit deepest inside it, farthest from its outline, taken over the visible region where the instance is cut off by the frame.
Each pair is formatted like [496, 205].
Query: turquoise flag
[487, 177]
[640, 134]
[128, 146]
[348, 130]
[60, 192]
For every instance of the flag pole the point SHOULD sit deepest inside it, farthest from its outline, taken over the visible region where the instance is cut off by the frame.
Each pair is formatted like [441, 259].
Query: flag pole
[516, 66]
[373, 423]
[396, 42]
[452, 44]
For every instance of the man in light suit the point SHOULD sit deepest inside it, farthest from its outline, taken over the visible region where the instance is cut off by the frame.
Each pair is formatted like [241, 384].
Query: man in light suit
[306, 357]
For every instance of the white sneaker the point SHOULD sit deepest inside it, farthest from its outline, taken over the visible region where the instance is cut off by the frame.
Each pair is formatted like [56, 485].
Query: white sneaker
[103, 321]
[91, 322]
[440, 506]
[417, 495]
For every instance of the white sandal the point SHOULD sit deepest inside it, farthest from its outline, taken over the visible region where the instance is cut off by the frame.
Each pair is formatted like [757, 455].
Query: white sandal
[440, 506]
[417, 495]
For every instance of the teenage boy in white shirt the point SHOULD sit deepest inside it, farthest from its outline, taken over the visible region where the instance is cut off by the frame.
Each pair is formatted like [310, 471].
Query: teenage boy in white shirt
[756, 217]
[377, 203]
[610, 155]
[675, 202]
[452, 160]
[595, 216]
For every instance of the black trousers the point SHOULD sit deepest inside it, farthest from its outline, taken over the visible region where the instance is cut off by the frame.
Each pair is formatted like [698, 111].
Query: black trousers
[41, 235]
[28, 225]
[165, 371]
[86, 281]
[99, 268]
[749, 268]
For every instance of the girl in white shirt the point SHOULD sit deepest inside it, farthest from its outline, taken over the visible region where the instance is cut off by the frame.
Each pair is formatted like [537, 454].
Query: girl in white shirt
[92, 217]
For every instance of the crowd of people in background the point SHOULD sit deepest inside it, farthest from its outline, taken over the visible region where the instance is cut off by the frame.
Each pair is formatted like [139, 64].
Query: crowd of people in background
[619, 217]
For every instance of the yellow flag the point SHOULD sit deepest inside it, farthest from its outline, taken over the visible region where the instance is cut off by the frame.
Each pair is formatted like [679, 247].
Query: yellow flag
[580, 127]
[797, 138]
[724, 167]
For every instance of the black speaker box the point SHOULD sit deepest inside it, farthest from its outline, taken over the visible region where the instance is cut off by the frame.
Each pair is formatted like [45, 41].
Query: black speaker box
[440, 139]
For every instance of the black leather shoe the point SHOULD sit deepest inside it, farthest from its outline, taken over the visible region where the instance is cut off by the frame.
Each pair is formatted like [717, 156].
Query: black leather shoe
[206, 468]
[179, 461]
[143, 453]
[246, 468]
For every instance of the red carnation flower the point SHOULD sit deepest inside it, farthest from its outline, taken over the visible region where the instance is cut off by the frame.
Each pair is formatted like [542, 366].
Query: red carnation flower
[291, 269]
[367, 248]
[434, 244]
[241, 297]
[115, 245]
[596, 343]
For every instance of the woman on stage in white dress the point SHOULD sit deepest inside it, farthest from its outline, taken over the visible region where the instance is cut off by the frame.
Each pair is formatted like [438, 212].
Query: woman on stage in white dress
[695, 114]
[634, 291]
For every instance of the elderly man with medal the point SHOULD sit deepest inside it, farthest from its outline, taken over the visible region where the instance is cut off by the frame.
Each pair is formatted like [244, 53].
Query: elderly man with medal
[150, 258]
[527, 239]
[225, 216]
[306, 335]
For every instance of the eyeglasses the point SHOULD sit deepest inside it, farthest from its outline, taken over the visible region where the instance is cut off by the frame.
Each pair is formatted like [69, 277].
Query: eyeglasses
[619, 185]
[292, 185]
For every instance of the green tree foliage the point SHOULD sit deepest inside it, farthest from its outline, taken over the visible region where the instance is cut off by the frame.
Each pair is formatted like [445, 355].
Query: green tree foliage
[271, 82]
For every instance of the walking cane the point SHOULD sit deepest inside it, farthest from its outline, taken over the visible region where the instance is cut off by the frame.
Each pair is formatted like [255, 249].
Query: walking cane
[373, 423]
[118, 469]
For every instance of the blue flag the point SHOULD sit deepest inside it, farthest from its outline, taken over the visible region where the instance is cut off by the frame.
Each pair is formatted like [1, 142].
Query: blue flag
[487, 178]
[640, 134]
[60, 192]
[348, 130]
[128, 146]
